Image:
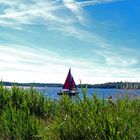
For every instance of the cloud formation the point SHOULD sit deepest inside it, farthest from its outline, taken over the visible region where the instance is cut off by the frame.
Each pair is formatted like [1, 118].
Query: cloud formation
[95, 2]
[68, 19]
[22, 12]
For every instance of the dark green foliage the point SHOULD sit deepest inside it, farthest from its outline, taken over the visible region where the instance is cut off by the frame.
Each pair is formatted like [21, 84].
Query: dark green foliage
[26, 114]
[118, 85]
[110, 85]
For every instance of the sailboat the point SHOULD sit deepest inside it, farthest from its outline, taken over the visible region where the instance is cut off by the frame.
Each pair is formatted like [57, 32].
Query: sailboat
[69, 87]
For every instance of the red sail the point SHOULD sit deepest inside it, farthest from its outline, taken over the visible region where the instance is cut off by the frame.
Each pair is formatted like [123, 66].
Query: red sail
[69, 83]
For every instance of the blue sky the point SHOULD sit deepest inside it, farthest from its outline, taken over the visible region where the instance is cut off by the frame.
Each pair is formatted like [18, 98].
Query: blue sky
[41, 39]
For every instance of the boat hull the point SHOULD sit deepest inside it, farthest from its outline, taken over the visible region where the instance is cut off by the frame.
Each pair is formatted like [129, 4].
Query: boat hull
[68, 92]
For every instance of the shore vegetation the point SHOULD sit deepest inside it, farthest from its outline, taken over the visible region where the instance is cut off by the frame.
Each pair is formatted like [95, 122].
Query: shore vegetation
[26, 114]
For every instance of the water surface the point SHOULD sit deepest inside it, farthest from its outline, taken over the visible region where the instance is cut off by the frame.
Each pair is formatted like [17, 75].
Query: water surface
[51, 92]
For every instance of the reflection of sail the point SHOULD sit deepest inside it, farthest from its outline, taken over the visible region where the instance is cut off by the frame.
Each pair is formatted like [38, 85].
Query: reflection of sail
[69, 83]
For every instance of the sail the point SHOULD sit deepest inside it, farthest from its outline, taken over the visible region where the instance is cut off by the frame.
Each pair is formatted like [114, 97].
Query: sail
[69, 83]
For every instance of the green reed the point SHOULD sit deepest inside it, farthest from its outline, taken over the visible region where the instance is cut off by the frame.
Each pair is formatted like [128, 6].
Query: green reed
[27, 114]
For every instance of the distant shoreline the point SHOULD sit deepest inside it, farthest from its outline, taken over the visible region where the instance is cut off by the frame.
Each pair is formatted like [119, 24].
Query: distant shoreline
[110, 85]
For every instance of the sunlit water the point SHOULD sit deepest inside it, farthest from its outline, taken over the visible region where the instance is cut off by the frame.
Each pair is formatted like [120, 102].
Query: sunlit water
[51, 92]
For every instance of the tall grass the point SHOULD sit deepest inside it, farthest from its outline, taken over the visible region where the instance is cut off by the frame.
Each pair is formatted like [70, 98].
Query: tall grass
[26, 114]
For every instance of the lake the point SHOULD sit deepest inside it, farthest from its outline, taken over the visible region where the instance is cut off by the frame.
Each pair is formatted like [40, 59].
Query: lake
[51, 92]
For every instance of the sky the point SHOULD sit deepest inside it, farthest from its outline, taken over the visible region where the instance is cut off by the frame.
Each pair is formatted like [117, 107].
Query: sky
[98, 39]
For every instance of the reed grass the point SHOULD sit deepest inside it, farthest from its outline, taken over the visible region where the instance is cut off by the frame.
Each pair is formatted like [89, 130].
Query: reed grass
[26, 114]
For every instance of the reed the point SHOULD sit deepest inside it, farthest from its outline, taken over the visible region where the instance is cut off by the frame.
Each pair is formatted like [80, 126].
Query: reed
[26, 114]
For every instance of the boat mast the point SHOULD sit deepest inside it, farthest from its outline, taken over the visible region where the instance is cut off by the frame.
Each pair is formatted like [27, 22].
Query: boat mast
[69, 82]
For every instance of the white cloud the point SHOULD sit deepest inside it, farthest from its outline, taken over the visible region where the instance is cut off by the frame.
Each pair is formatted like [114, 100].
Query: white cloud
[55, 12]
[95, 2]
[27, 65]
[19, 63]
[52, 14]
[75, 9]
[24, 64]
[9, 2]
[25, 13]
[118, 58]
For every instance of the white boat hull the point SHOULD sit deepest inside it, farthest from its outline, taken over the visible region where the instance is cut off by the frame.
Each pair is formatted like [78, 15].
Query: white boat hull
[68, 92]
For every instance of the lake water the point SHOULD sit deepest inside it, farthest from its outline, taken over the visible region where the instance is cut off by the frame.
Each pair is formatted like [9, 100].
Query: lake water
[51, 92]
